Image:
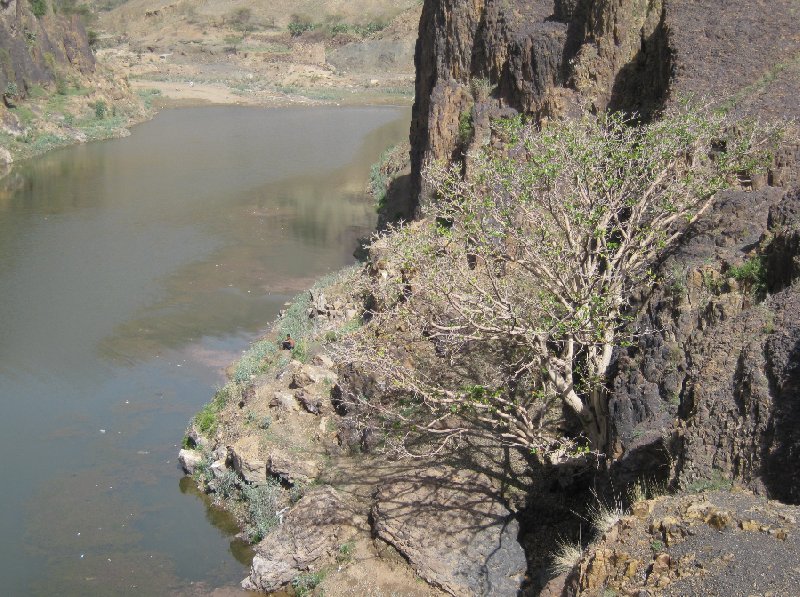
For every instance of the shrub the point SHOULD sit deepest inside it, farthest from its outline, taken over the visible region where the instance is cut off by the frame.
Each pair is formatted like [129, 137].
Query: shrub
[752, 273]
[100, 109]
[11, 89]
[299, 25]
[381, 174]
[206, 419]
[566, 556]
[263, 505]
[465, 127]
[38, 8]
[305, 583]
[227, 485]
[529, 259]
[481, 89]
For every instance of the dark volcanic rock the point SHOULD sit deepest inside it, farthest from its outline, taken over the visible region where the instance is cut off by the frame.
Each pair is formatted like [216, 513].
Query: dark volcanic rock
[715, 543]
[716, 358]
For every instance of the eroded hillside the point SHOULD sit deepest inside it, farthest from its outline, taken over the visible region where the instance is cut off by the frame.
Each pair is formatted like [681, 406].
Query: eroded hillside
[268, 53]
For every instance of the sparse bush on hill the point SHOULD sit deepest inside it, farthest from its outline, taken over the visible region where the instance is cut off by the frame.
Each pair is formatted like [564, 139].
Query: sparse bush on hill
[38, 8]
[299, 25]
[512, 293]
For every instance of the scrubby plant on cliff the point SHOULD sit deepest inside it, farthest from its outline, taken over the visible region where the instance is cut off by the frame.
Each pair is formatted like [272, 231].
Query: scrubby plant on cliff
[38, 7]
[512, 292]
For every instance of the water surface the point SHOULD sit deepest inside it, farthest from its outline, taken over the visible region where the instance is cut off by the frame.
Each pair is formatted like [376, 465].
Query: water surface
[131, 272]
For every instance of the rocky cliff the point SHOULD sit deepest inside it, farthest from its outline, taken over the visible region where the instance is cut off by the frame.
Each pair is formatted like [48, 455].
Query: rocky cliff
[35, 50]
[548, 59]
[53, 92]
[716, 363]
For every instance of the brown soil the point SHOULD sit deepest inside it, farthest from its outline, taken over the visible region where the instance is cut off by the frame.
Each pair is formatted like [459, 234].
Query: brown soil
[209, 53]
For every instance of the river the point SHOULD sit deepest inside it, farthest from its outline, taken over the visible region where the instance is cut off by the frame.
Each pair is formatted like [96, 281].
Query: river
[132, 272]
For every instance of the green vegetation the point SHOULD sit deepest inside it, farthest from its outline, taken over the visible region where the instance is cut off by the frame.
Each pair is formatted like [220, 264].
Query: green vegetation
[147, 96]
[304, 584]
[227, 486]
[717, 482]
[263, 504]
[206, 419]
[100, 109]
[752, 274]
[38, 7]
[656, 545]
[299, 25]
[465, 127]
[346, 551]
[390, 164]
[357, 30]
[530, 260]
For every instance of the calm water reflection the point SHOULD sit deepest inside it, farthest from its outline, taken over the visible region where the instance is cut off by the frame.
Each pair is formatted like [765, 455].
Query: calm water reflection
[131, 272]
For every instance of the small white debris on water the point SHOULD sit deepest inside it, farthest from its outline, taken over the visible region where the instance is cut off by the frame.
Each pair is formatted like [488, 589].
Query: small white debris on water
[102, 431]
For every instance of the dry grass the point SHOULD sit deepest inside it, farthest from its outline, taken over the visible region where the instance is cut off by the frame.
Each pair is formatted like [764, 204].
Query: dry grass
[566, 556]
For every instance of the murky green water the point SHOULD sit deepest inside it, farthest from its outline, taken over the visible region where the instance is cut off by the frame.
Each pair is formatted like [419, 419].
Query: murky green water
[131, 272]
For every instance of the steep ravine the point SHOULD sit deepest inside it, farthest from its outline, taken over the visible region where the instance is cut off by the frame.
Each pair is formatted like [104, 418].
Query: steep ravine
[706, 399]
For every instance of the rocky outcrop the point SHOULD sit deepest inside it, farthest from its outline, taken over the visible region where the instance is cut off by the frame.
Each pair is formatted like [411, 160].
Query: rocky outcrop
[711, 389]
[246, 459]
[716, 543]
[453, 529]
[34, 51]
[542, 58]
[189, 460]
[548, 59]
[308, 538]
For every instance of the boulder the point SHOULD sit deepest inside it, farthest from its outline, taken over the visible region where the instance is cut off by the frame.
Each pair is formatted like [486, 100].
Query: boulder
[312, 403]
[291, 468]
[246, 459]
[218, 468]
[307, 375]
[308, 539]
[323, 360]
[454, 530]
[283, 400]
[190, 460]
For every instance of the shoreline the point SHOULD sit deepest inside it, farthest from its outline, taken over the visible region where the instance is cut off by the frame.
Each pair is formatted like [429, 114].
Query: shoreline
[162, 95]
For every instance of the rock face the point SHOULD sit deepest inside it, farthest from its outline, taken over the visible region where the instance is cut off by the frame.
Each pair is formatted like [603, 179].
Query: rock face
[33, 50]
[720, 361]
[538, 57]
[548, 58]
[710, 388]
[453, 530]
[247, 460]
[716, 543]
[309, 537]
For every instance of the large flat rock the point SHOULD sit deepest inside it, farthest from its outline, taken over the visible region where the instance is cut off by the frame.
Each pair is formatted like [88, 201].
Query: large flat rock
[453, 529]
[309, 537]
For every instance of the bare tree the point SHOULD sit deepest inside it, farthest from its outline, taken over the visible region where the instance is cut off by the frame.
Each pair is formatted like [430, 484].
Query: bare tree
[511, 294]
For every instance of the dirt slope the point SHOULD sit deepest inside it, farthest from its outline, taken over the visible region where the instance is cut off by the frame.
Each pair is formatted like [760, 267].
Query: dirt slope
[265, 53]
